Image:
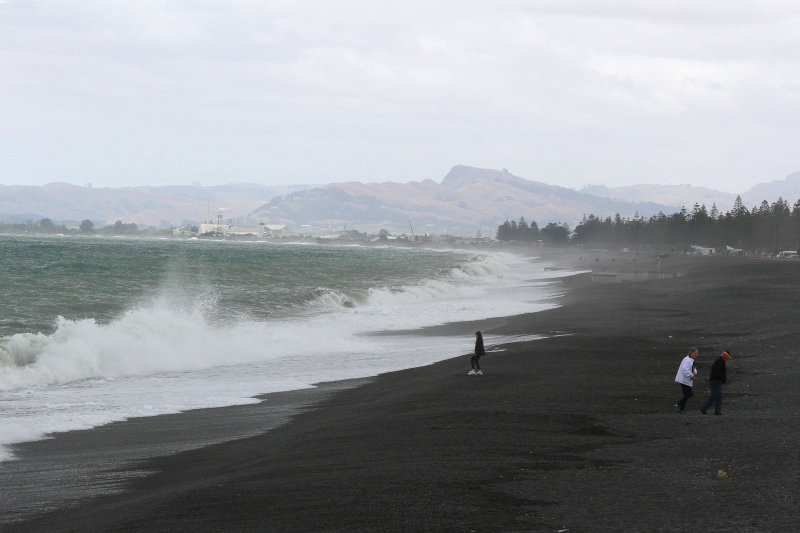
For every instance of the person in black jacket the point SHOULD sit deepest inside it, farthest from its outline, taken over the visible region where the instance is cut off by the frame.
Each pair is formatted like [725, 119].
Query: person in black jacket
[716, 378]
[479, 351]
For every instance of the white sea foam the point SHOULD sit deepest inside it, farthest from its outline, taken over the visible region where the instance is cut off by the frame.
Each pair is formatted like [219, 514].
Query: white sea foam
[170, 354]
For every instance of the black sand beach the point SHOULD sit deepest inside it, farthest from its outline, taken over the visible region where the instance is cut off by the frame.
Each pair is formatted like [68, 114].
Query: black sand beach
[576, 432]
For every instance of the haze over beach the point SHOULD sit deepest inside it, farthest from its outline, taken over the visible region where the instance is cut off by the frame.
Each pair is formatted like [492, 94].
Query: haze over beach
[245, 248]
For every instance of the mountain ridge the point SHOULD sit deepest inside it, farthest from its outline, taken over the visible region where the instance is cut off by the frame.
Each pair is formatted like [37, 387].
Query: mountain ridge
[466, 200]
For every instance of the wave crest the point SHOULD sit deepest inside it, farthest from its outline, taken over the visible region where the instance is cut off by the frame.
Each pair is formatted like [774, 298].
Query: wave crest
[329, 298]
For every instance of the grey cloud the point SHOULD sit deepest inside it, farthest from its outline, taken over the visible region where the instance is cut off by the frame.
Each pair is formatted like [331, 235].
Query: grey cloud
[568, 92]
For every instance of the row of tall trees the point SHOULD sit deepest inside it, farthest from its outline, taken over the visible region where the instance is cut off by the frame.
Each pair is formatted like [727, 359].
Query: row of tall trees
[521, 231]
[768, 227]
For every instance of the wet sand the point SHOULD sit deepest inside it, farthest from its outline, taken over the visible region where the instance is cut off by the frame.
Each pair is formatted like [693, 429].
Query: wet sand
[573, 432]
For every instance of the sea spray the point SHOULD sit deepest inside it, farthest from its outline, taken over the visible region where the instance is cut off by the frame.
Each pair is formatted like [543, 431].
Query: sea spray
[154, 327]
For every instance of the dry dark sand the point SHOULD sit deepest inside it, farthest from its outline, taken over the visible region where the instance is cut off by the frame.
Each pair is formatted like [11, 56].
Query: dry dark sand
[574, 432]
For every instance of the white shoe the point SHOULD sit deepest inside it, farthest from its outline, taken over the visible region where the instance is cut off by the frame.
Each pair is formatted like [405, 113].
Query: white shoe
[480, 373]
[471, 373]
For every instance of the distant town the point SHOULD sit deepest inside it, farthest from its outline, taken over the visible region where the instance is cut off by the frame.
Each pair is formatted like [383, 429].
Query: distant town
[770, 230]
[221, 229]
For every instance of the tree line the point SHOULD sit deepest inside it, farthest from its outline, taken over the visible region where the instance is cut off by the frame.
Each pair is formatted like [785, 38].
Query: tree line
[47, 226]
[767, 228]
[552, 233]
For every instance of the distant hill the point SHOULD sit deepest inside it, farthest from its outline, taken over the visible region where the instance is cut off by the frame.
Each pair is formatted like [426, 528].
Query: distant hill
[467, 200]
[788, 189]
[152, 206]
[674, 196]
[677, 196]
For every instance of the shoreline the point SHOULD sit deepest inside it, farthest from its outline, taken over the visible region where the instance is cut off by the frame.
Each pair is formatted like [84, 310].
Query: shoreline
[102, 460]
[557, 434]
[44, 431]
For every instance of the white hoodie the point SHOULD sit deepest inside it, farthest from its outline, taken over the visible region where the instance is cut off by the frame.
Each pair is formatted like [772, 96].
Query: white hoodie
[686, 371]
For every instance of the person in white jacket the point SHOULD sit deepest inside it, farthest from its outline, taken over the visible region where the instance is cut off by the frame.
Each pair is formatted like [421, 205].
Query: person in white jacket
[685, 378]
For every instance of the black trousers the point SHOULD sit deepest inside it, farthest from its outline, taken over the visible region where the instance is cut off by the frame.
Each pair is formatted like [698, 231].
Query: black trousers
[687, 393]
[474, 362]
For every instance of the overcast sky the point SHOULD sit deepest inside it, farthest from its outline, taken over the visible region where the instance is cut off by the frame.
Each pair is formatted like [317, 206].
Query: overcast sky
[564, 92]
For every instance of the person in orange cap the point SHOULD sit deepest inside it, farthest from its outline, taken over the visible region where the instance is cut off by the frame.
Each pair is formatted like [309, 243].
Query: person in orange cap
[716, 378]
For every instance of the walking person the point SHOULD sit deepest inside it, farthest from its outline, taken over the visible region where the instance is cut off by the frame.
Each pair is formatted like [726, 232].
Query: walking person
[479, 351]
[685, 378]
[716, 378]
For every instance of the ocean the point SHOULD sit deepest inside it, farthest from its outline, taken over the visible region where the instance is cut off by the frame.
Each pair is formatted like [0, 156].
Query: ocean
[96, 329]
